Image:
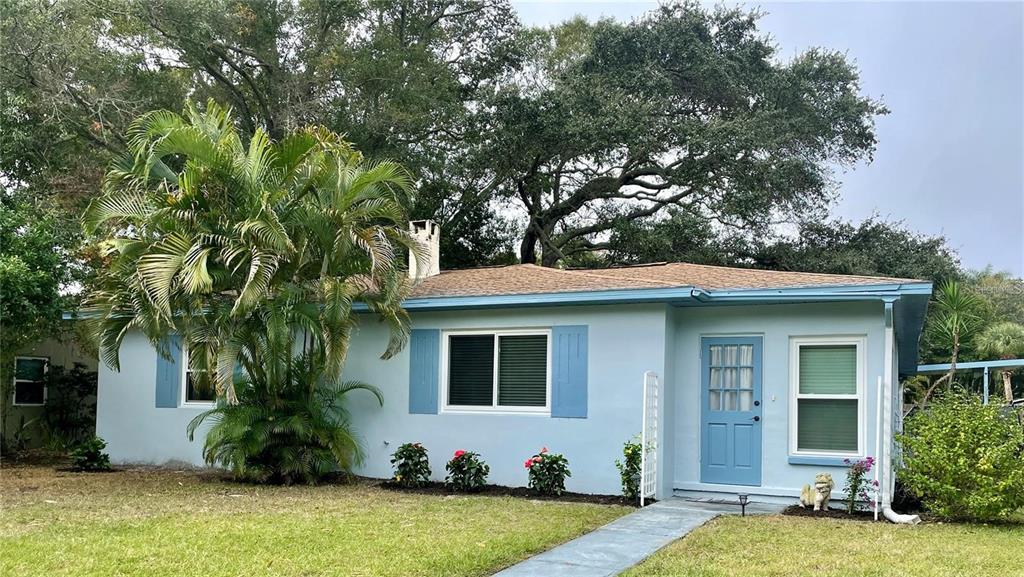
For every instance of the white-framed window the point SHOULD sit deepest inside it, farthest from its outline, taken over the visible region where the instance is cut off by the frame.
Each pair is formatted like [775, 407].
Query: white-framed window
[197, 385]
[30, 381]
[496, 370]
[827, 395]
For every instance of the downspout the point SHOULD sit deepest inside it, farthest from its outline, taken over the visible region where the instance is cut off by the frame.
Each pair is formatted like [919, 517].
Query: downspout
[886, 410]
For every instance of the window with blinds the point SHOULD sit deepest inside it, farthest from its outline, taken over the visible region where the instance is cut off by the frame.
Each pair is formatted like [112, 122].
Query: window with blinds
[828, 397]
[497, 370]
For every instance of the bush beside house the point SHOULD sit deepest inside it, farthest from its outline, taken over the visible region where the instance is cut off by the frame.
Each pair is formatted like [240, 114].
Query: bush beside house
[965, 459]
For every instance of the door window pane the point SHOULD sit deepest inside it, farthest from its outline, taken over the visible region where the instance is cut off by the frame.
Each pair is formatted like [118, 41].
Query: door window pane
[716, 355]
[746, 377]
[715, 400]
[730, 400]
[746, 400]
[746, 355]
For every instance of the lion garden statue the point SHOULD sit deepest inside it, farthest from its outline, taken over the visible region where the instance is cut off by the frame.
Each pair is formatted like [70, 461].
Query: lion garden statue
[819, 494]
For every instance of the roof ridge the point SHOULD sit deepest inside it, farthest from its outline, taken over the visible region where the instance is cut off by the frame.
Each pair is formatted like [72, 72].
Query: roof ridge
[799, 272]
[590, 273]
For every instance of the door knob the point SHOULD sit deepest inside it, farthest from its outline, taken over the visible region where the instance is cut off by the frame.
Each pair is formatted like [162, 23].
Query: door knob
[756, 418]
[757, 403]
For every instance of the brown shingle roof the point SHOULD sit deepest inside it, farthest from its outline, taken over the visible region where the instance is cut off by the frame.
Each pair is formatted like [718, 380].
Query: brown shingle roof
[532, 279]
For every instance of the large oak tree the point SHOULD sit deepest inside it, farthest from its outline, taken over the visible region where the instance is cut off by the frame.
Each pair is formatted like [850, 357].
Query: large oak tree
[684, 108]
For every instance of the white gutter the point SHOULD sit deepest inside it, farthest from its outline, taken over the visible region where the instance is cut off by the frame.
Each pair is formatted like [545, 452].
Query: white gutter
[885, 408]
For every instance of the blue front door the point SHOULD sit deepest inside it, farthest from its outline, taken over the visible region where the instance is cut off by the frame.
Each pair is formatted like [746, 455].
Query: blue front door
[730, 369]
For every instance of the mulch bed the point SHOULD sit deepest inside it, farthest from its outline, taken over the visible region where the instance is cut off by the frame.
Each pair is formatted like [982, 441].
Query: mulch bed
[798, 511]
[436, 488]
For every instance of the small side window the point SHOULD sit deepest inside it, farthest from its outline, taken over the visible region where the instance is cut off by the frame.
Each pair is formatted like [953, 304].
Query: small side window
[30, 380]
[199, 386]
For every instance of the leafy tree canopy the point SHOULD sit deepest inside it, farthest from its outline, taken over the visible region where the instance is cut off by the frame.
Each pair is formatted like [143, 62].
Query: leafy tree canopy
[872, 247]
[684, 108]
[402, 80]
[33, 271]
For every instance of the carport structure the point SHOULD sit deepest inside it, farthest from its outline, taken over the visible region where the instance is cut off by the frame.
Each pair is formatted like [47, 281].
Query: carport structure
[985, 366]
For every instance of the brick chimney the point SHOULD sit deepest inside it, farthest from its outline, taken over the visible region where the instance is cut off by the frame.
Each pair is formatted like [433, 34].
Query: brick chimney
[428, 234]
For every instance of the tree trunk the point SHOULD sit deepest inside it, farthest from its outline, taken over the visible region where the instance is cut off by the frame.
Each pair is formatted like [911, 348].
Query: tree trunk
[952, 369]
[548, 258]
[1007, 386]
[528, 248]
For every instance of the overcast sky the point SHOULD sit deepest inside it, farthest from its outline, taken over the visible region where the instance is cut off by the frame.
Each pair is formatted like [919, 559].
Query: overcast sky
[950, 156]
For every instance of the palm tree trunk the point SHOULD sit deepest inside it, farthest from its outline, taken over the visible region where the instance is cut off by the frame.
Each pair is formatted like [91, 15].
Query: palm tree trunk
[1007, 387]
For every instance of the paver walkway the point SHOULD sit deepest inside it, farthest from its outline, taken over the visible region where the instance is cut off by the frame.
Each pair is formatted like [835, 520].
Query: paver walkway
[628, 540]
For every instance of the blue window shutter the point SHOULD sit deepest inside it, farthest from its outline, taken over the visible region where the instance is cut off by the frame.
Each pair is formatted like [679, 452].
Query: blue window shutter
[569, 371]
[168, 374]
[424, 362]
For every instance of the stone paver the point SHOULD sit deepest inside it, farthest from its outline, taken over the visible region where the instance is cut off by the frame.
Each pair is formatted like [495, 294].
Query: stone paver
[628, 540]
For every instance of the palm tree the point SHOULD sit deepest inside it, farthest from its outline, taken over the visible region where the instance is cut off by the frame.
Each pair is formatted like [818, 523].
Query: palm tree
[1004, 340]
[957, 316]
[221, 240]
[289, 424]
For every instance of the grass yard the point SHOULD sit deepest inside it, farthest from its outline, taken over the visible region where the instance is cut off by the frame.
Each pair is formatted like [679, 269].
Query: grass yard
[799, 547]
[157, 522]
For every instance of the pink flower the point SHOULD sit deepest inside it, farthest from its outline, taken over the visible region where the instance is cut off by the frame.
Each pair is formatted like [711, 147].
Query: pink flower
[528, 463]
[538, 459]
[543, 450]
[459, 453]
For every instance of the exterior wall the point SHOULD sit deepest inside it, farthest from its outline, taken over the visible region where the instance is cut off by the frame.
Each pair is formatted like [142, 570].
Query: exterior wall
[624, 341]
[64, 353]
[126, 414]
[776, 324]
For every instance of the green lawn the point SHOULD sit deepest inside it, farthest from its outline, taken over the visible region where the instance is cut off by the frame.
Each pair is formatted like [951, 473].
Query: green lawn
[152, 523]
[798, 547]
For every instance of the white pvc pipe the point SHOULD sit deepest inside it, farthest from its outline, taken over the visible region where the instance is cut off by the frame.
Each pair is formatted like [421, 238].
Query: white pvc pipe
[898, 518]
[878, 444]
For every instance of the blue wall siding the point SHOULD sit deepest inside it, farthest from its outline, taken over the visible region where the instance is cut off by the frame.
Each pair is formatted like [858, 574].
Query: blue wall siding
[127, 417]
[624, 341]
[776, 324]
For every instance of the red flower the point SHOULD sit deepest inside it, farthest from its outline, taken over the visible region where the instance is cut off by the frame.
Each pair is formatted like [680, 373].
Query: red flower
[528, 464]
[543, 450]
[459, 453]
[538, 459]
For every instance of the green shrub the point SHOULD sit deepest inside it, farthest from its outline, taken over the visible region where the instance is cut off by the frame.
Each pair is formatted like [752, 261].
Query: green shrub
[547, 472]
[69, 414]
[629, 468]
[288, 426]
[467, 473]
[89, 456]
[965, 459]
[412, 468]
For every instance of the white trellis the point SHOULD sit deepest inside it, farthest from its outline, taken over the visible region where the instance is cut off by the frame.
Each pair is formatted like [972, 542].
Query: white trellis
[649, 438]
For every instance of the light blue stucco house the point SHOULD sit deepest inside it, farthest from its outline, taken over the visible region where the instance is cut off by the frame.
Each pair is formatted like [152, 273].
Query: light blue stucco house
[766, 378]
